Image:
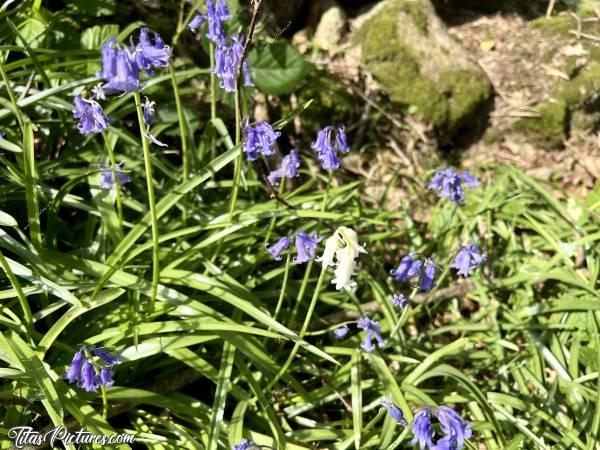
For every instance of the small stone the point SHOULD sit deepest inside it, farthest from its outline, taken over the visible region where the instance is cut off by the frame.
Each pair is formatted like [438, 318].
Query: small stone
[331, 27]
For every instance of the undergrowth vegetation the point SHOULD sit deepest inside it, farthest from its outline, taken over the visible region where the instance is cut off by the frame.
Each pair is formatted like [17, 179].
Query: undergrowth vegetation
[191, 303]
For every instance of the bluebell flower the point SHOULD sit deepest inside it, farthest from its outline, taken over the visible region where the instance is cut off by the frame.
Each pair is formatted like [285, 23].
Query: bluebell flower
[341, 332]
[400, 301]
[90, 115]
[467, 259]
[289, 168]
[148, 112]
[373, 332]
[87, 380]
[243, 445]
[83, 371]
[327, 147]
[259, 139]
[448, 183]
[196, 22]
[405, 269]
[111, 360]
[127, 73]
[306, 246]
[148, 54]
[427, 282]
[228, 53]
[278, 248]
[215, 15]
[109, 60]
[107, 177]
[454, 427]
[393, 410]
[74, 371]
[105, 377]
[422, 430]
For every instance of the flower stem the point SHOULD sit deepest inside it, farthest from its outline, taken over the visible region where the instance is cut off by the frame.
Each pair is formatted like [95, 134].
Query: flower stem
[240, 159]
[303, 330]
[185, 156]
[113, 164]
[104, 402]
[150, 186]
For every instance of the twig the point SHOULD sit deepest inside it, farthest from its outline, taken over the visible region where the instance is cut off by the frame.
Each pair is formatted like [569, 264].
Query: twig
[550, 8]
[238, 74]
[591, 37]
[28, 85]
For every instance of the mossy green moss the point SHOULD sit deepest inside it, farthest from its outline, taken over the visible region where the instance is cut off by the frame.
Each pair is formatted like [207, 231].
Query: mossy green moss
[448, 103]
[555, 25]
[550, 128]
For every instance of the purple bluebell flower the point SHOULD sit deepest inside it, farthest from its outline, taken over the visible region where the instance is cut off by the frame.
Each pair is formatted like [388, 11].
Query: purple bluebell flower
[91, 116]
[341, 332]
[87, 380]
[107, 177]
[105, 377]
[126, 77]
[228, 53]
[467, 259]
[243, 445]
[259, 139]
[306, 246]
[393, 410]
[327, 147]
[289, 168]
[196, 22]
[278, 248]
[154, 140]
[454, 427]
[150, 54]
[373, 331]
[148, 112]
[427, 281]
[400, 301]
[109, 60]
[405, 269]
[422, 430]
[448, 183]
[74, 372]
[111, 360]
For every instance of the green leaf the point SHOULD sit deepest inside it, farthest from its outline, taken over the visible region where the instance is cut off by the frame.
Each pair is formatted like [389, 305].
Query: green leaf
[277, 68]
[6, 220]
[92, 8]
[93, 38]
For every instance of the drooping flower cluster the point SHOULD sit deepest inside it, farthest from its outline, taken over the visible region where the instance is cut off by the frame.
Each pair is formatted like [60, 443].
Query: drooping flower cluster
[410, 268]
[89, 374]
[259, 139]
[121, 66]
[448, 183]
[90, 115]
[373, 332]
[228, 54]
[330, 141]
[393, 410]
[453, 428]
[467, 259]
[306, 246]
[288, 169]
[344, 247]
[228, 49]
[107, 176]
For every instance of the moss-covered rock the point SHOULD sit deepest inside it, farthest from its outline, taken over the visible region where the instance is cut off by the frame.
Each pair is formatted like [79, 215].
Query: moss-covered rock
[423, 70]
[550, 128]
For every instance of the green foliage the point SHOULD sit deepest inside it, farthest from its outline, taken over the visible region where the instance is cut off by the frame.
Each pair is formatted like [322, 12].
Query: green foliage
[277, 68]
